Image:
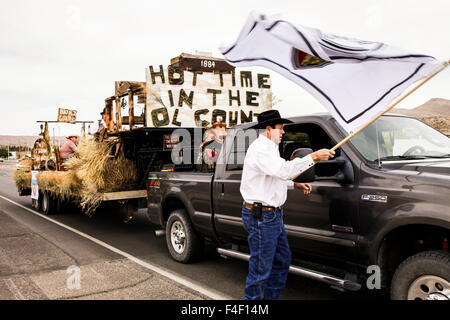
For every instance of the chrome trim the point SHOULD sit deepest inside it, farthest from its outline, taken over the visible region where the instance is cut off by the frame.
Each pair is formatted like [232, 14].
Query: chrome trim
[311, 274]
[201, 214]
[186, 180]
[374, 198]
[235, 221]
[429, 287]
[414, 160]
[315, 237]
[159, 233]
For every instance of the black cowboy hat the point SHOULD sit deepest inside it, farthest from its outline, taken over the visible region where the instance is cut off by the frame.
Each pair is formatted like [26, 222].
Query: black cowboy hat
[103, 112]
[270, 118]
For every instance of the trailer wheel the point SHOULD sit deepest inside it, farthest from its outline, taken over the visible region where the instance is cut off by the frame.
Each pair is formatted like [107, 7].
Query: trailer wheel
[184, 244]
[37, 203]
[49, 203]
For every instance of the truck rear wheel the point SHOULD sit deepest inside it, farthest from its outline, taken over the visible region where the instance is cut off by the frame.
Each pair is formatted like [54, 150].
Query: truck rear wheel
[423, 276]
[49, 203]
[184, 244]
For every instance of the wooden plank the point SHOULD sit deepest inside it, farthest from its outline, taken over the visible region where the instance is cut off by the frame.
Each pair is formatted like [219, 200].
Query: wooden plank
[131, 108]
[137, 120]
[200, 63]
[142, 98]
[50, 121]
[122, 87]
[123, 195]
[118, 114]
[109, 115]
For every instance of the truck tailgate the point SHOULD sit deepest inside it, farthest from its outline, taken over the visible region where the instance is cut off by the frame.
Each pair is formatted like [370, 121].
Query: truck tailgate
[192, 189]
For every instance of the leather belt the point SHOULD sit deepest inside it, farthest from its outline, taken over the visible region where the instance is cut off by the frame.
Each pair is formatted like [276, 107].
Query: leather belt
[263, 208]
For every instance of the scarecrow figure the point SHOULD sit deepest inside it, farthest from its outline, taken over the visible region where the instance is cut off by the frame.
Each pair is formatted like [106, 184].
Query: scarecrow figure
[212, 143]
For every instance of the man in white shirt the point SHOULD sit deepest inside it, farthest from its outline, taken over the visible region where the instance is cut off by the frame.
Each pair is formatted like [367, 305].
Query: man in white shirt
[265, 180]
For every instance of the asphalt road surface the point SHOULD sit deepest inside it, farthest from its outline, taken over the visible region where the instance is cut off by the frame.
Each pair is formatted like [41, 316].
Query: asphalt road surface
[73, 256]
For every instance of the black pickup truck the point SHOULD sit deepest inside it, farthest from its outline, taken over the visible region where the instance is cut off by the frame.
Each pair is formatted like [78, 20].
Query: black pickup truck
[378, 215]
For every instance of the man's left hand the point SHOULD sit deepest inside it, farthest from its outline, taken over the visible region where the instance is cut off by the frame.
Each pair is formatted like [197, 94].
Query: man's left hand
[306, 187]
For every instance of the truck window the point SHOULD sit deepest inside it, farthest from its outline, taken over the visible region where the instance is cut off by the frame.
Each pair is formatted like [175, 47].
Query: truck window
[210, 148]
[241, 142]
[155, 150]
[308, 135]
[207, 156]
[399, 137]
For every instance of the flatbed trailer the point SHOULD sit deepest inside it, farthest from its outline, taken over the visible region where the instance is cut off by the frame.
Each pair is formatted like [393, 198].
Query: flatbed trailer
[150, 149]
[50, 203]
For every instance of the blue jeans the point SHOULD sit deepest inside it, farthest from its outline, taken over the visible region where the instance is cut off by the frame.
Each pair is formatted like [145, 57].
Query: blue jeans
[270, 255]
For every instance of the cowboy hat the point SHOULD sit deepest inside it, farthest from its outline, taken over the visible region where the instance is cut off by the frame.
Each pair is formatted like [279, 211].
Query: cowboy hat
[270, 118]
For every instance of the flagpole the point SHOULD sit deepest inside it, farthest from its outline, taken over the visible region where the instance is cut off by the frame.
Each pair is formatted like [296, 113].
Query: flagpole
[444, 65]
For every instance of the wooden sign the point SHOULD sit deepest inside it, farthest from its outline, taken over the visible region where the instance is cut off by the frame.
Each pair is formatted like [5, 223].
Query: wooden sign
[182, 98]
[170, 141]
[189, 62]
[67, 115]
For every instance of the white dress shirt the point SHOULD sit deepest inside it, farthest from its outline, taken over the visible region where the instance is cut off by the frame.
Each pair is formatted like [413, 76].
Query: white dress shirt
[266, 176]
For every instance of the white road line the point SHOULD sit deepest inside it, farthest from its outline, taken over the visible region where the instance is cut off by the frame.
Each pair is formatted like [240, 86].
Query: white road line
[172, 276]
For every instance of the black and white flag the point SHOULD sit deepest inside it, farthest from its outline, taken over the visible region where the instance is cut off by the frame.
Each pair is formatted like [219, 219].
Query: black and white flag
[355, 80]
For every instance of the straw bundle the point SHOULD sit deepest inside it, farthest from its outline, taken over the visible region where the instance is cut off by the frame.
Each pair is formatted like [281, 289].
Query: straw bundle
[22, 174]
[22, 178]
[96, 172]
[25, 164]
[58, 183]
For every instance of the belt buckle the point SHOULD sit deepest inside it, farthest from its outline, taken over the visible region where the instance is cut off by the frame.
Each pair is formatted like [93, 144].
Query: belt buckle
[249, 206]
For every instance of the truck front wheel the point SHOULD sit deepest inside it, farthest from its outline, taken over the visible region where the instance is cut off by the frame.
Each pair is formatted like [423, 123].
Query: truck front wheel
[423, 276]
[184, 244]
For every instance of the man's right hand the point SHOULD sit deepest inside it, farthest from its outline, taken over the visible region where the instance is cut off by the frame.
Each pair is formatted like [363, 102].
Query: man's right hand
[322, 155]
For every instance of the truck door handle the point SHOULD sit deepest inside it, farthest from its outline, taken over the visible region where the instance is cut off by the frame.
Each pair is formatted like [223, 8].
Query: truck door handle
[223, 189]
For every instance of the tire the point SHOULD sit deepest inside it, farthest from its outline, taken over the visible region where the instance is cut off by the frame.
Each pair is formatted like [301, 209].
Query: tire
[50, 165]
[49, 203]
[37, 204]
[60, 206]
[184, 244]
[423, 276]
[24, 192]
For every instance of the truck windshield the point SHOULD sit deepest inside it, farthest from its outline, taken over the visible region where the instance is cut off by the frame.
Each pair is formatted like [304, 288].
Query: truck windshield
[400, 138]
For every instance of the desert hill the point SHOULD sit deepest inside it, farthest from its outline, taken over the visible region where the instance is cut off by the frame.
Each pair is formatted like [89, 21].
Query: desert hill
[435, 113]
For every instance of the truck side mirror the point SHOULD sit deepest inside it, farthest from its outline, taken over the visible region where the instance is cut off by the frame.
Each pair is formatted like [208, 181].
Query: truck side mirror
[308, 175]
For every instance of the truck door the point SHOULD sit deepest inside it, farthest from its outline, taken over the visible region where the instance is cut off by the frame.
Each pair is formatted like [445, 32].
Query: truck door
[325, 222]
[226, 195]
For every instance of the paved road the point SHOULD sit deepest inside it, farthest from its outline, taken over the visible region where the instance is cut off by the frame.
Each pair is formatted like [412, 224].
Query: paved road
[35, 255]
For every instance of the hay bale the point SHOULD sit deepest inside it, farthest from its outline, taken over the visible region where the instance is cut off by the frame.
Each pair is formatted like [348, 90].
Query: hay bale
[59, 183]
[22, 179]
[22, 174]
[25, 164]
[97, 172]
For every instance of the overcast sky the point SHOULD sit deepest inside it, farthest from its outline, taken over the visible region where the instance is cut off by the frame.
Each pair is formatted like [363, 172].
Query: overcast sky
[69, 53]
